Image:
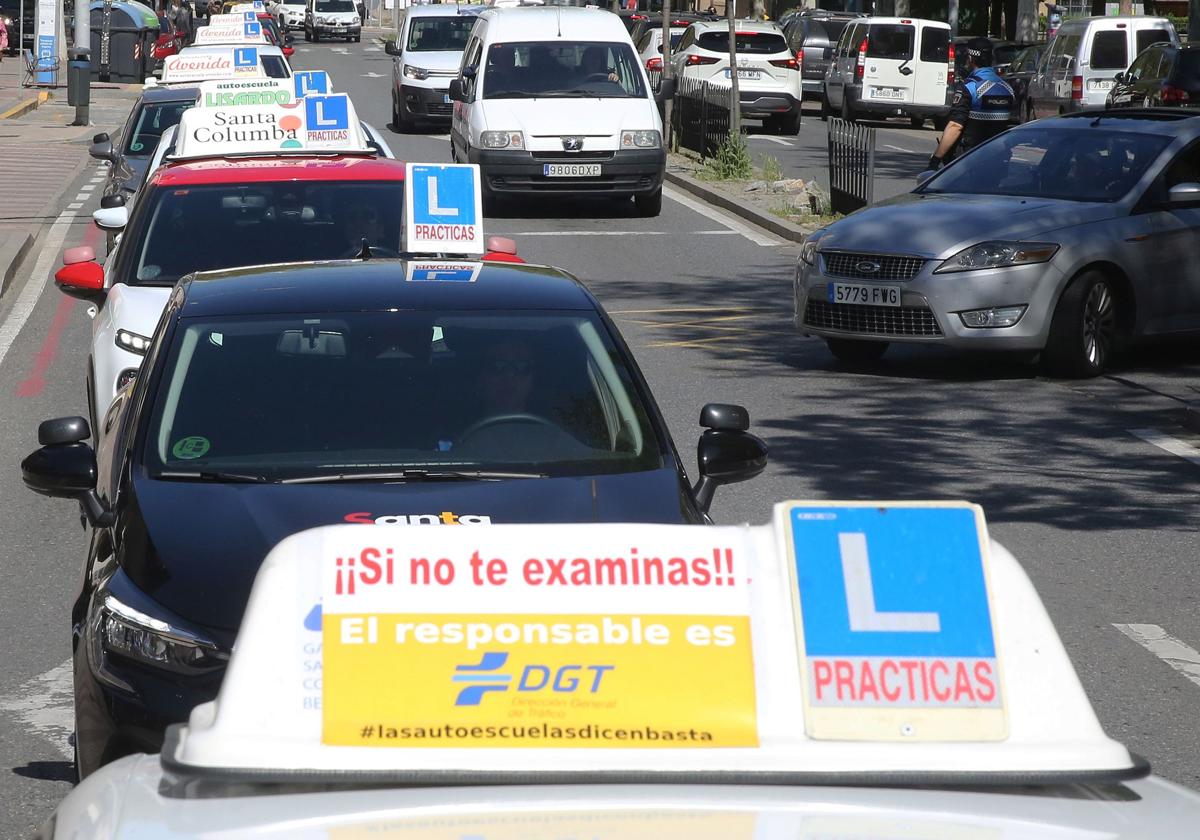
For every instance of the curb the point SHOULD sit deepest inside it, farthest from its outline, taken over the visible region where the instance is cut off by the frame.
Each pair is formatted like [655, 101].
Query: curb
[774, 224]
[10, 258]
[25, 106]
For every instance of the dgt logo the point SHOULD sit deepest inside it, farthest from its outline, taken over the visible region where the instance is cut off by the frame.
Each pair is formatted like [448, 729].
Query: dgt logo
[484, 676]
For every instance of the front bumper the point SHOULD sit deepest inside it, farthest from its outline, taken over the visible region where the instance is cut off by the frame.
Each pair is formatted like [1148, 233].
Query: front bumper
[623, 172]
[353, 30]
[426, 103]
[930, 305]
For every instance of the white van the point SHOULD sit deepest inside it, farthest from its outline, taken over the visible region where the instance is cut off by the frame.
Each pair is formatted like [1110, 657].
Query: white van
[1079, 66]
[891, 67]
[428, 53]
[555, 101]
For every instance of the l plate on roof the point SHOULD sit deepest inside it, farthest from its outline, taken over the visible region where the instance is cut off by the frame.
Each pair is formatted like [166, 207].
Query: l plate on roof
[245, 32]
[231, 63]
[325, 124]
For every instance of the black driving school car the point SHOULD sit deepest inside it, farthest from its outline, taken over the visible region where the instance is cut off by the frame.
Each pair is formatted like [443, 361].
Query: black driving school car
[275, 399]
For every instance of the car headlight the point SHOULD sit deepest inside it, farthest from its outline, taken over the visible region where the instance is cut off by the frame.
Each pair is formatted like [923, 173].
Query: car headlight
[998, 255]
[641, 139]
[132, 342]
[502, 140]
[808, 251]
[122, 629]
[415, 72]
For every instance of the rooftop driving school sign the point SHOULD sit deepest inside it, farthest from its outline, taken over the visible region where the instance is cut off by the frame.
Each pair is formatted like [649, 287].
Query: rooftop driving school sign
[308, 82]
[895, 623]
[249, 92]
[239, 33]
[639, 639]
[443, 209]
[316, 123]
[234, 63]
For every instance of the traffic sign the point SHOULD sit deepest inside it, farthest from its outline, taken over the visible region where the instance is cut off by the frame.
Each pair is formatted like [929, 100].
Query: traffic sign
[443, 209]
[308, 82]
[443, 271]
[896, 633]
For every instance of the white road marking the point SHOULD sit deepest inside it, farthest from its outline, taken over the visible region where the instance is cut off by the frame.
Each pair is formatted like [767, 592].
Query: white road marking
[28, 298]
[75, 205]
[46, 706]
[372, 49]
[439, 136]
[89, 187]
[82, 197]
[1168, 444]
[720, 218]
[778, 140]
[340, 50]
[520, 233]
[901, 149]
[372, 75]
[1181, 657]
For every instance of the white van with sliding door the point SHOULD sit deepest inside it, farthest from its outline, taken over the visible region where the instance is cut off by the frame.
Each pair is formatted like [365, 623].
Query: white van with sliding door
[554, 101]
[1080, 64]
[891, 67]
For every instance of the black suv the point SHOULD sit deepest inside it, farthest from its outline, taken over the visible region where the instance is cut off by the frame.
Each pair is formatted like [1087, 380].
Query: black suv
[812, 36]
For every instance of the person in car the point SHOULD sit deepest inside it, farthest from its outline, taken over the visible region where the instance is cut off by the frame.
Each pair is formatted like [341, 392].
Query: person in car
[594, 66]
[983, 105]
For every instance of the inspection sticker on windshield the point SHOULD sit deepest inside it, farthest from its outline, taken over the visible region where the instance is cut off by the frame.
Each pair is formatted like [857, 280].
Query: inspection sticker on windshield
[499, 637]
[895, 622]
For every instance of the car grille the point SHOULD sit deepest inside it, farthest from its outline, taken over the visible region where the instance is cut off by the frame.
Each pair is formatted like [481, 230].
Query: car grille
[871, 320]
[584, 156]
[439, 109]
[891, 267]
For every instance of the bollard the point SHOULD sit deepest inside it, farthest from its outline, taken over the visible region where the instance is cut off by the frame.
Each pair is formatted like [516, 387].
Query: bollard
[79, 90]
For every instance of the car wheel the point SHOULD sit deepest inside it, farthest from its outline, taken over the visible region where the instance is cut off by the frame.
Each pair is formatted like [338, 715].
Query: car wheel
[789, 123]
[1028, 112]
[316, 36]
[358, 39]
[395, 111]
[1084, 328]
[825, 109]
[856, 352]
[649, 205]
[916, 122]
[307, 35]
[401, 122]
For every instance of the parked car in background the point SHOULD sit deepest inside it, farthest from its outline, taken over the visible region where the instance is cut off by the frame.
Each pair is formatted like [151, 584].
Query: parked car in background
[679, 20]
[1019, 72]
[289, 14]
[1085, 56]
[1003, 53]
[891, 67]
[812, 36]
[129, 155]
[649, 50]
[768, 73]
[1163, 75]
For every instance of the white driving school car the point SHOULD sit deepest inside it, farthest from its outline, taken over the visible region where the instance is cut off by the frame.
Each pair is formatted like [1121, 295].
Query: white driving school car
[849, 670]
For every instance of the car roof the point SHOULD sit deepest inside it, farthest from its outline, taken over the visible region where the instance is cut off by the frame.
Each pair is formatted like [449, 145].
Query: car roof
[1165, 121]
[939, 24]
[739, 25]
[1112, 19]
[443, 10]
[535, 23]
[182, 93]
[255, 170]
[377, 286]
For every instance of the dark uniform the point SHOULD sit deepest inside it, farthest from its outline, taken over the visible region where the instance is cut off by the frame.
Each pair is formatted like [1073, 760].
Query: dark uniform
[984, 105]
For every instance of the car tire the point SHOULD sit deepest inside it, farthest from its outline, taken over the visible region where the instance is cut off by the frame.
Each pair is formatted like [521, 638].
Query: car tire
[649, 205]
[1084, 328]
[316, 37]
[402, 123]
[395, 111]
[358, 39]
[307, 36]
[1028, 113]
[789, 124]
[854, 352]
[826, 110]
[916, 122]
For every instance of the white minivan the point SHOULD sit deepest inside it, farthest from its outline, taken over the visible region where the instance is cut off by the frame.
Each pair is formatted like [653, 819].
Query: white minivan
[891, 67]
[1080, 64]
[555, 101]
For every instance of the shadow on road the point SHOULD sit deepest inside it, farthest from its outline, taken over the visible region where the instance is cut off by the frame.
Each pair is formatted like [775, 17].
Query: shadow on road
[47, 771]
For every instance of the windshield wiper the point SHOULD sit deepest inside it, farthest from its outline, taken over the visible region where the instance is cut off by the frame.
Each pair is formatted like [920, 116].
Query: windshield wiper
[222, 477]
[510, 94]
[413, 475]
[564, 94]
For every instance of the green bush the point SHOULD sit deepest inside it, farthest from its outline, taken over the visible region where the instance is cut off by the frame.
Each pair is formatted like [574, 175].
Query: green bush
[732, 161]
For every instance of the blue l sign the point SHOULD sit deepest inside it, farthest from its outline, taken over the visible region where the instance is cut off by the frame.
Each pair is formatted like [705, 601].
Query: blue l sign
[327, 113]
[443, 195]
[253, 30]
[308, 82]
[245, 57]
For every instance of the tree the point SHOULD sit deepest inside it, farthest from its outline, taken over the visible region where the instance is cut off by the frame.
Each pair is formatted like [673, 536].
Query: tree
[1027, 20]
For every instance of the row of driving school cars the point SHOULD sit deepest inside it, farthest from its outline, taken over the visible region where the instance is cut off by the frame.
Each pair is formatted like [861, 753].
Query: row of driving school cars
[292, 329]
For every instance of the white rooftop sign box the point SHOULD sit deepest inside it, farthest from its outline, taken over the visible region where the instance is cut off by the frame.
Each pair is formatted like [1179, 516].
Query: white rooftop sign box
[325, 124]
[223, 94]
[671, 653]
[247, 33]
[234, 63]
[232, 19]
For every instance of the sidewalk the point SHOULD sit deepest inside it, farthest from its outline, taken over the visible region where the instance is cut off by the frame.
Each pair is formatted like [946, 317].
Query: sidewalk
[41, 154]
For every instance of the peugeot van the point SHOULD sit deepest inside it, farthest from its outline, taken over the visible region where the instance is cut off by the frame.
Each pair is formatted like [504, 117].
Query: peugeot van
[891, 67]
[1081, 63]
[555, 101]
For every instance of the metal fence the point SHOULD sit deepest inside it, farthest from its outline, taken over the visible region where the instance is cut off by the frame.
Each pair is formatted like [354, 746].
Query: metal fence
[700, 115]
[851, 165]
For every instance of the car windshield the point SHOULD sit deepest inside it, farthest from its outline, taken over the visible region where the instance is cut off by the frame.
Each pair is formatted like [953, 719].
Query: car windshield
[535, 69]
[275, 67]
[335, 6]
[1067, 164]
[209, 227]
[153, 120]
[322, 395]
[761, 43]
[439, 34]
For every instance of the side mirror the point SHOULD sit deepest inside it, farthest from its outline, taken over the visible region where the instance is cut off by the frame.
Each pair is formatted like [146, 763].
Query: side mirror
[107, 202]
[456, 91]
[1186, 193]
[102, 137]
[1121, 78]
[81, 276]
[470, 72]
[103, 149]
[65, 466]
[925, 176]
[111, 218]
[391, 48]
[726, 453]
[666, 90]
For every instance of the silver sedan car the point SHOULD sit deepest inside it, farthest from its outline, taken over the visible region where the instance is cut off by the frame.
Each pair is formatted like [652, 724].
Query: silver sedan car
[1068, 236]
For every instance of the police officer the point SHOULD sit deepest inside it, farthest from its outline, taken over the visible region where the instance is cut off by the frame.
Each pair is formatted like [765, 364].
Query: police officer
[983, 105]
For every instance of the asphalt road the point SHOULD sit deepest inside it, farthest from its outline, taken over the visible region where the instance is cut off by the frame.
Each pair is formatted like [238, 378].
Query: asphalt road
[1104, 520]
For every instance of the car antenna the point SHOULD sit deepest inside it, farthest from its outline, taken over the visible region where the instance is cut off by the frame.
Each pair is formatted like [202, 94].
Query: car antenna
[365, 253]
[1096, 121]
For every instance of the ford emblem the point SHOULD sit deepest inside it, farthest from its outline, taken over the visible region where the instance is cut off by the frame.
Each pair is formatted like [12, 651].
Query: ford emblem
[867, 267]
